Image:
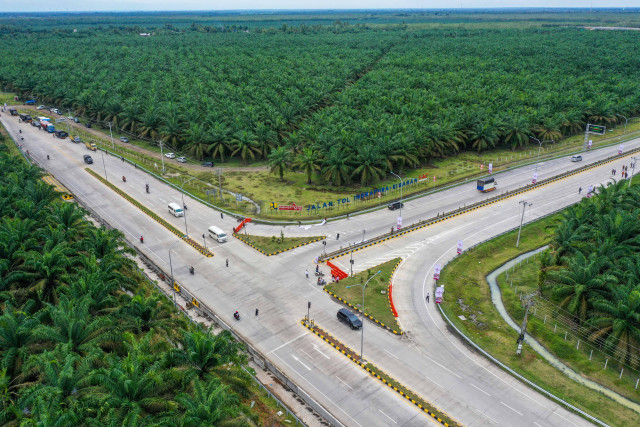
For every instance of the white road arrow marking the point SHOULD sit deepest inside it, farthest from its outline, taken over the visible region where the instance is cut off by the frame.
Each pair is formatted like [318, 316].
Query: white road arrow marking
[298, 360]
[315, 347]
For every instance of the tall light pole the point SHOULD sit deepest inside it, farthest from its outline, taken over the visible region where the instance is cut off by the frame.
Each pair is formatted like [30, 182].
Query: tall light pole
[171, 269]
[161, 156]
[625, 124]
[524, 206]
[111, 133]
[186, 231]
[362, 336]
[400, 191]
[633, 168]
[104, 166]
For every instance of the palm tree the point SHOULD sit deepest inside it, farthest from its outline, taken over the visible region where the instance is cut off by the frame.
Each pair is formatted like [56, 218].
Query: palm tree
[45, 272]
[265, 139]
[580, 283]
[210, 404]
[203, 352]
[307, 161]
[218, 134]
[245, 145]
[368, 160]
[16, 337]
[483, 136]
[142, 314]
[518, 132]
[279, 159]
[336, 168]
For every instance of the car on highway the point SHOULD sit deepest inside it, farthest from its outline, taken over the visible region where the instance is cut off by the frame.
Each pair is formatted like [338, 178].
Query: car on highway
[182, 159]
[40, 107]
[396, 205]
[55, 110]
[170, 156]
[60, 134]
[35, 123]
[576, 158]
[87, 159]
[207, 164]
[350, 319]
[124, 139]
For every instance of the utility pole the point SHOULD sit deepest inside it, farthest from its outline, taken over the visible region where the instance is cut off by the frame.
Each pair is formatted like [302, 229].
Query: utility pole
[111, 133]
[161, 156]
[633, 168]
[68, 115]
[351, 261]
[524, 206]
[528, 302]
[220, 183]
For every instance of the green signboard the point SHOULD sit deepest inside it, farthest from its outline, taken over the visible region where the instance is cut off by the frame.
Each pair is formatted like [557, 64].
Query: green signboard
[600, 130]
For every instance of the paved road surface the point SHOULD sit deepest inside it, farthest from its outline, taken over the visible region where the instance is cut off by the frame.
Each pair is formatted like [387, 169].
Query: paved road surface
[428, 359]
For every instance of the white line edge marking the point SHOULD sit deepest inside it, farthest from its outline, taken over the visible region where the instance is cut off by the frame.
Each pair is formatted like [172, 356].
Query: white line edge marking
[487, 416]
[478, 388]
[288, 342]
[380, 410]
[519, 413]
[347, 385]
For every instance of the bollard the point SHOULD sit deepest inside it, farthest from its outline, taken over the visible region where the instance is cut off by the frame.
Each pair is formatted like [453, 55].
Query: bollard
[605, 363]
[621, 371]
[578, 346]
[590, 354]
[545, 319]
[535, 310]
[565, 335]
[637, 383]
[554, 328]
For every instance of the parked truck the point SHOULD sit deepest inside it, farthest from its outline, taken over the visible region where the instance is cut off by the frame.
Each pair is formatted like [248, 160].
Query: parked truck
[90, 145]
[25, 118]
[486, 184]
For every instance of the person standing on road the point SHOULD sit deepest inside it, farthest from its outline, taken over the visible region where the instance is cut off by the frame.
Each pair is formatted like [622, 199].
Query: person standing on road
[338, 236]
[256, 311]
[579, 190]
[427, 296]
[306, 273]
[221, 216]
[227, 261]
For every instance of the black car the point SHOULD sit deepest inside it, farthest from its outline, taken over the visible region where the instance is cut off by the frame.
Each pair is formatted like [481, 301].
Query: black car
[396, 205]
[207, 164]
[87, 159]
[347, 317]
[61, 134]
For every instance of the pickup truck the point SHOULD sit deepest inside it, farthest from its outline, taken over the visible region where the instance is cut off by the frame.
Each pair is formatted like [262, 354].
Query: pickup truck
[90, 145]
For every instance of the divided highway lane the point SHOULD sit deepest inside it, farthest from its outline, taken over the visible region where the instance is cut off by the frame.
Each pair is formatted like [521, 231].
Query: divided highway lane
[248, 283]
[277, 286]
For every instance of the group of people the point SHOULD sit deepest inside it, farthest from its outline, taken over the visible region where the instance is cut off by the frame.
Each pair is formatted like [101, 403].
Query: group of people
[624, 173]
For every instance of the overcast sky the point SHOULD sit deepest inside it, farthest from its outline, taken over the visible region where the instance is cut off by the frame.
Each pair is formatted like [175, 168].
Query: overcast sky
[151, 5]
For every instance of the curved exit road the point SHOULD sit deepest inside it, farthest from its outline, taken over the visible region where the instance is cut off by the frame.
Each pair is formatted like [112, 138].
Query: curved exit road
[428, 359]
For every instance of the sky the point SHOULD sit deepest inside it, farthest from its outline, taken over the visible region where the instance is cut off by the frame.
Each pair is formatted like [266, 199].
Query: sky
[186, 5]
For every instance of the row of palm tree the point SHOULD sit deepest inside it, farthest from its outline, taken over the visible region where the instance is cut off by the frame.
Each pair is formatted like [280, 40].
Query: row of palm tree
[84, 341]
[594, 268]
[390, 99]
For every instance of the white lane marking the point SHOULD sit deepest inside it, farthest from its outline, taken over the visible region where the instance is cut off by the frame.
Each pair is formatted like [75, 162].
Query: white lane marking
[537, 424]
[347, 385]
[298, 360]
[288, 342]
[392, 354]
[387, 416]
[315, 347]
[478, 388]
[308, 355]
[519, 413]
[566, 419]
[485, 415]
[434, 382]
[316, 388]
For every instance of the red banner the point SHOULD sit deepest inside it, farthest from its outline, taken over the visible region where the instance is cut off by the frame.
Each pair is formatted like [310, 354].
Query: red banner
[291, 207]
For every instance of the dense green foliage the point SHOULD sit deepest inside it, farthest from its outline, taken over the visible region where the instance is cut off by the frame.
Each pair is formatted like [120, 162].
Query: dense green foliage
[83, 341]
[348, 102]
[593, 271]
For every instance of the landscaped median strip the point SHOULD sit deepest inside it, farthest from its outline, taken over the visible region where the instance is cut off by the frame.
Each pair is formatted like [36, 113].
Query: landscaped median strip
[244, 240]
[204, 251]
[499, 198]
[386, 379]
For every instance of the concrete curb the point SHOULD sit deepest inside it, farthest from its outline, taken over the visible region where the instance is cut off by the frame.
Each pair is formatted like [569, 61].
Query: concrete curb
[280, 251]
[204, 251]
[307, 324]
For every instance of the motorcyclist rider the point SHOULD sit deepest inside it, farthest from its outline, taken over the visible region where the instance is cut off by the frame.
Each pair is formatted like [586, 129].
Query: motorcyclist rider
[236, 315]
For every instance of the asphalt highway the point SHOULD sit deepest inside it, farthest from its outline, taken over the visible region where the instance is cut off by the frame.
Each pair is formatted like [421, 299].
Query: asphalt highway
[428, 359]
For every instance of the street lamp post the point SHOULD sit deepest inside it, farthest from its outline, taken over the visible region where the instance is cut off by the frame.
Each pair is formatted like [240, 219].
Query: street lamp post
[351, 261]
[633, 168]
[104, 166]
[111, 133]
[186, 230]
[171, 269]
[362, 335]
[524, 206]
[400, 191]
[625, 124]
[161, 156]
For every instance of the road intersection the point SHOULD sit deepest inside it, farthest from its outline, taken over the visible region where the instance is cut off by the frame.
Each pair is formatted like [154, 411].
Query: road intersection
[429, 359]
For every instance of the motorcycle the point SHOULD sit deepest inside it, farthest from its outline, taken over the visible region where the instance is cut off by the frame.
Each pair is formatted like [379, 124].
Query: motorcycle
[141, 239]
[124, 179]
[236, 315]
[147, 188]
[319, 273]
[191, 270]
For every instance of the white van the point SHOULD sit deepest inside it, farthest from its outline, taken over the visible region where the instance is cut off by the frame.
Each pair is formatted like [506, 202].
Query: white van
[176, 210]
[218, 234]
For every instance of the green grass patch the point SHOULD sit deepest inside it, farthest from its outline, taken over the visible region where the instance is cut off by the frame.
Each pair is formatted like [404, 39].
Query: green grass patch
[274, 244]
[524, 279]
[467, 293]
[376, 298]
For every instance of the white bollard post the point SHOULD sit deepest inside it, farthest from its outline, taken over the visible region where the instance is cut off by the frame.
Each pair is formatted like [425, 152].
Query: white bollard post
[578, 346]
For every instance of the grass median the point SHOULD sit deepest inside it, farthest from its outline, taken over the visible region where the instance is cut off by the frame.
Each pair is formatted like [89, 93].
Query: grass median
[273, 245]
[467, 294]
[376, 293]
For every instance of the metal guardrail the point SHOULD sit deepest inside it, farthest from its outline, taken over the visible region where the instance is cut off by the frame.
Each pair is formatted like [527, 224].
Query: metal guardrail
[448, 215]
